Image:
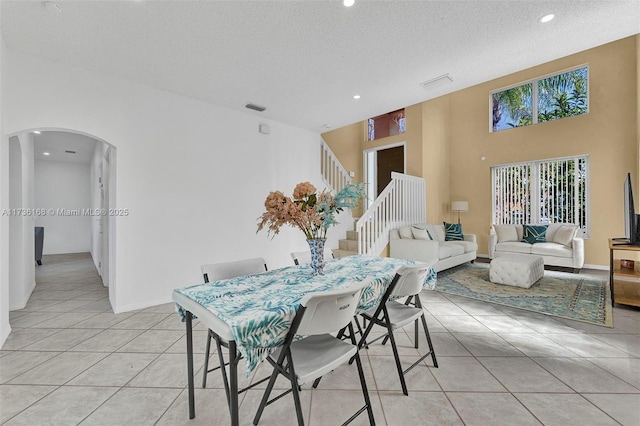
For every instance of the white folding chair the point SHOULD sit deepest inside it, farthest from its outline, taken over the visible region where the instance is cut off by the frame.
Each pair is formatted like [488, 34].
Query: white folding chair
[304, 257]
[392, 314]
[304, 360]
[222, 271]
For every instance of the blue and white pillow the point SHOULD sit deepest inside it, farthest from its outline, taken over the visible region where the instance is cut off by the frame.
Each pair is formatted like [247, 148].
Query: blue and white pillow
[453, 232]
[534, 234]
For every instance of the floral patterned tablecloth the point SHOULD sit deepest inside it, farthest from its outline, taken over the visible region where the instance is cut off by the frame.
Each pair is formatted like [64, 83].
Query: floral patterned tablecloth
[259, 308]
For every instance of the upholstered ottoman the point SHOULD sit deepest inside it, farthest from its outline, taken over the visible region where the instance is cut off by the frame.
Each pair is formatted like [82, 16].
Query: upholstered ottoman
[520, 270]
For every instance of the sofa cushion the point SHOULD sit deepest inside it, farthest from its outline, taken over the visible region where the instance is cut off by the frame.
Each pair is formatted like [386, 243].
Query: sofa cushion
[436, 232]
[405, 232]
[444, 252]
[453, 232]
[506, 233]
[420, 234]
[514, 246]
[534, 233]
[551, 249]
[565, 235]
[468, 246]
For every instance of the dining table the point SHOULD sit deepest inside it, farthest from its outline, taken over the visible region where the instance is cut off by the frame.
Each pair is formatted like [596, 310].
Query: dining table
[253, 313]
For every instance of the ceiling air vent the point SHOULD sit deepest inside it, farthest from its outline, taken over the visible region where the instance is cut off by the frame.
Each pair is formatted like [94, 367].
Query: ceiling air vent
[437, 82]
[70, 152]
[254, 107]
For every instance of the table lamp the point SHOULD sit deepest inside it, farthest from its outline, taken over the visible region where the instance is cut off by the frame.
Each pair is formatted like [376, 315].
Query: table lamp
[459, 206]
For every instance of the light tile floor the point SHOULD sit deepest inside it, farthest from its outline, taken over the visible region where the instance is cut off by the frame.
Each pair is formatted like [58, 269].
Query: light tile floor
[69, 360]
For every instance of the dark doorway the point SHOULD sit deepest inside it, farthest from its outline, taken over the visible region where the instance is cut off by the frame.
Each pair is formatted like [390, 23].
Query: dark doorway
[389, 160]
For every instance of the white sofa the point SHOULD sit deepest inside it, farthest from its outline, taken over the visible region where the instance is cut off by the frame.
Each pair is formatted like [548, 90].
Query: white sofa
[426, 243]
[563, 246]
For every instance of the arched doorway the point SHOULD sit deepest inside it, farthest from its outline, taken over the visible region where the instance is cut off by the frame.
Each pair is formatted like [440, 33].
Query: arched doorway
[53, 159]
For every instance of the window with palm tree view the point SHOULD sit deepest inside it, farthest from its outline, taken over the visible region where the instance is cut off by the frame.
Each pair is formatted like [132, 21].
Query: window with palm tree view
[542, 192]
[545, 99]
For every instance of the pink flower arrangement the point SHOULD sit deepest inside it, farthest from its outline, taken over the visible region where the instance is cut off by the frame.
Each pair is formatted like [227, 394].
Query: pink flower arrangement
[309, 211]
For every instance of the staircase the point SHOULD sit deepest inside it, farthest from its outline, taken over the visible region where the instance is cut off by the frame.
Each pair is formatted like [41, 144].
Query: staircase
[401, 203]
[348, 246]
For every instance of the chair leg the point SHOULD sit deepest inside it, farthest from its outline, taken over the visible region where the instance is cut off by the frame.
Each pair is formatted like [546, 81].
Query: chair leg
[223, 370]
[415, 333]
[265, 397]
[426, 333]
[365, 391]
[294, 389]
[397, 359]
[205, 370]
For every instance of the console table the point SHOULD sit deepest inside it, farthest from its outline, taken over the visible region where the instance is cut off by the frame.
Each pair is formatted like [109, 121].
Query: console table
[624, 292]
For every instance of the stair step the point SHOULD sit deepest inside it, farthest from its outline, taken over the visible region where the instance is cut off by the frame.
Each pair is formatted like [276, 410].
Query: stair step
[352, 235]
[349, 245]
[343, 253]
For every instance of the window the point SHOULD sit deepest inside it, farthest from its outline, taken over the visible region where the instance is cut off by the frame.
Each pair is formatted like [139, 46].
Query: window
[549, 191]
[389, 124]
[543, 99]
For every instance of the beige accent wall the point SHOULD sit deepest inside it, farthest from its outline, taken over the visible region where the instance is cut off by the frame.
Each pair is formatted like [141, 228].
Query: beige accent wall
[608, 134]
[453, 136]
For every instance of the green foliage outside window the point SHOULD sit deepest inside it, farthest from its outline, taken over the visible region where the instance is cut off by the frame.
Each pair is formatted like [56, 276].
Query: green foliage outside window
[558, 96]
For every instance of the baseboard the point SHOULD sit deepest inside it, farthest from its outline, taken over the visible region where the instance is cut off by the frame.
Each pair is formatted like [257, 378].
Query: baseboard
[598, 267]
[25, 298]
[5, 334]
[143, 305]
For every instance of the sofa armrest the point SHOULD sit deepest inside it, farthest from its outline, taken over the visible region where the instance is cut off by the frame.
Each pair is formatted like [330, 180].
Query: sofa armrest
[493, 241]
[419, 250]
[470, 237]
[578, 253]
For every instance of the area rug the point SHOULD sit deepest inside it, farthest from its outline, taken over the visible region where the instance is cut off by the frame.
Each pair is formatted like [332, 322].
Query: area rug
[562, 294]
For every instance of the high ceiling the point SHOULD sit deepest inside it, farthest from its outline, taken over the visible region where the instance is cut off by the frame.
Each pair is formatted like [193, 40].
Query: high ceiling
[305, 60]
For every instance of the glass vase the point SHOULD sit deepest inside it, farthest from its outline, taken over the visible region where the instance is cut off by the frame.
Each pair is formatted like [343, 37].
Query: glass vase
[316, 246]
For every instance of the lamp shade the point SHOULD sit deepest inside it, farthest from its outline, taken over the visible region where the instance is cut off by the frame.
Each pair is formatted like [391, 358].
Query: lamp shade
[459, 206]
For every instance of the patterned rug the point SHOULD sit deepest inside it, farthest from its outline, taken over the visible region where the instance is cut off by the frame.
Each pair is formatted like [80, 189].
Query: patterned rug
[562, 294]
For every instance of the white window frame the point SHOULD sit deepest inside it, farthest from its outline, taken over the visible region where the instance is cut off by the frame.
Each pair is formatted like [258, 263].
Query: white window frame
[533, 214]
[534, 95]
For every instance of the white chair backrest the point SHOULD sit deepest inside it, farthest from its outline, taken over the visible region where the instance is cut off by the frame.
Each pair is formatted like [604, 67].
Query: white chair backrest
[329, 311]
[301, 257]
[411, 280]
[304, 257]
[223, 271]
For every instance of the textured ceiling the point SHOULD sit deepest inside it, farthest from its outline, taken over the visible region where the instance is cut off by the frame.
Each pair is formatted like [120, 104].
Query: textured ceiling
[304, 60]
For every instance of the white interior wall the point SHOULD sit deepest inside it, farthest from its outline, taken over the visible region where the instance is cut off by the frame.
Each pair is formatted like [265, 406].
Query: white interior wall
[5, 328]
[192, 176]
[15, 225]
[96, 162]
[27, 144]
[64, 187]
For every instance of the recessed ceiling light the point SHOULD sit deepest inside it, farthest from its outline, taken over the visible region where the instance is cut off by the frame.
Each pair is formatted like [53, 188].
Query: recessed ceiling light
[52, 7]
[356, 96]
[37, 132]
[348, 3]
[45, 153]
[547, 18]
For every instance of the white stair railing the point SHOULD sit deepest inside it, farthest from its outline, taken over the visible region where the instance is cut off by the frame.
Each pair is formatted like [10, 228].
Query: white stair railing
[401, 203]
[333, 174]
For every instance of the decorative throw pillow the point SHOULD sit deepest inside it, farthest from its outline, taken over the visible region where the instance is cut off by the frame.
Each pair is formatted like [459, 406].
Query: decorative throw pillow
[453, 232]
[405, 232]
[534, 234]
[565, 235]
[420, 234]
[506, 233]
